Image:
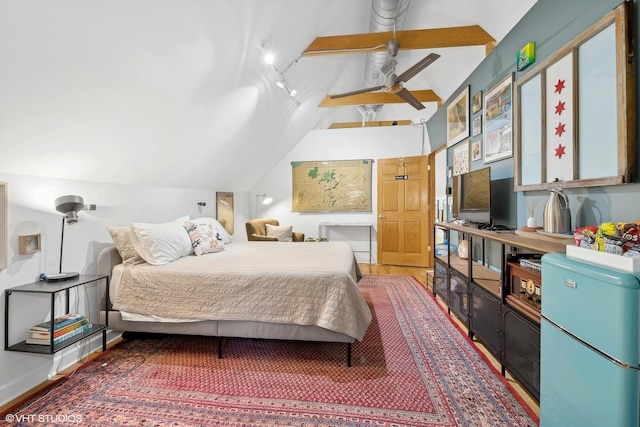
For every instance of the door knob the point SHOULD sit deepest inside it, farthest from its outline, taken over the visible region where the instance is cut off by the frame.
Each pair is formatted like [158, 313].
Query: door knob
[381, 216]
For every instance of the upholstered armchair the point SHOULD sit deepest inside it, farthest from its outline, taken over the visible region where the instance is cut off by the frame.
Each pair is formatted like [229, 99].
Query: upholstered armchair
[257, 231]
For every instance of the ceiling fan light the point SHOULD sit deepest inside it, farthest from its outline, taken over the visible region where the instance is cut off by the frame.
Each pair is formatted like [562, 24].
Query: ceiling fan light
[293, 92]
[280, 84]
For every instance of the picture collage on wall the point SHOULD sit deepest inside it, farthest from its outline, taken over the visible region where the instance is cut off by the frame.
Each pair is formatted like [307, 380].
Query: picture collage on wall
[480, 128]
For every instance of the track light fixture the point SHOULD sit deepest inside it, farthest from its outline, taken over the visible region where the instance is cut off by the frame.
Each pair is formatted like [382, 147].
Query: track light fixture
[270, 59]
[282, 85]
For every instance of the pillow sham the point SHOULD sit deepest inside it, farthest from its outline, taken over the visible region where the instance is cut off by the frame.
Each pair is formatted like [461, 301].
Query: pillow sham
[122, 240]
[284, 233]
[205, 239]
[225, 237]
[160, 244]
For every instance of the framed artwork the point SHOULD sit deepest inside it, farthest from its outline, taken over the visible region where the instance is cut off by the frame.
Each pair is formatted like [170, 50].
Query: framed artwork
[562, 123]
[3, 224]
[29, 243]
[476, 104]
[498, 139]
[461, 159]
[332, 186]
[224, 209]
[458, 118]
[476, 150]
[477, 126]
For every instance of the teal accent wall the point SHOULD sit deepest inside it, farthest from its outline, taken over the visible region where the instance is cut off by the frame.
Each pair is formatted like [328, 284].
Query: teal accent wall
[551, 24]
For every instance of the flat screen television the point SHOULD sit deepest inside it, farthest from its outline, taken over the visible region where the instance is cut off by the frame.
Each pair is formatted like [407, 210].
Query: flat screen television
[472, 196]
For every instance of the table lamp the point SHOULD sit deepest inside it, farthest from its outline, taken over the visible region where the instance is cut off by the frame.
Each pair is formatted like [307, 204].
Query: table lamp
[69, 206]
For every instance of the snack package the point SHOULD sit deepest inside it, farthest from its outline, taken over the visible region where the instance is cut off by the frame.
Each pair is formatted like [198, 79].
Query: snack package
[585, 237]
[630, 234]
[608, 239]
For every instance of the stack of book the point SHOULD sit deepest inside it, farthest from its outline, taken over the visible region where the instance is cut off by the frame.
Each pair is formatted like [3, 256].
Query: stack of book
[64, 327]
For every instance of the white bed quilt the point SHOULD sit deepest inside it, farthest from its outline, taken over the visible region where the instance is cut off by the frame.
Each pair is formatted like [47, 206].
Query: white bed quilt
[291, 283]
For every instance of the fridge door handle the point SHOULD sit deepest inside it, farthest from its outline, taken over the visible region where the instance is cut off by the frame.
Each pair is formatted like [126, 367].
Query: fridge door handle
[570, 283]
[610, 358]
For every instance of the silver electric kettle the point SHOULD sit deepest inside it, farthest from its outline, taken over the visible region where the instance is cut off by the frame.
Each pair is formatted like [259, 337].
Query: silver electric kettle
[557, 216]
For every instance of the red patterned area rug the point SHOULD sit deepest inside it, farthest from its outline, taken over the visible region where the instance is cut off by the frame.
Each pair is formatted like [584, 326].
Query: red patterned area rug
[413, 368]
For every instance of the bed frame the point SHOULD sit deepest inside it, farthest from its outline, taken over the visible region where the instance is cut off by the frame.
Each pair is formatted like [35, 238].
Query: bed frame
[109, 257]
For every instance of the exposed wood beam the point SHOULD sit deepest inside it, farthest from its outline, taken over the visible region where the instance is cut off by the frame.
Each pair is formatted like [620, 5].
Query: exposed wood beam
[379, 98]
[472, 35]
[343, 125]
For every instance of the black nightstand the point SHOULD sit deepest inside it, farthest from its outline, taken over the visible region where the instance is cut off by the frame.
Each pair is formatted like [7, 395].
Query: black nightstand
[52, 288]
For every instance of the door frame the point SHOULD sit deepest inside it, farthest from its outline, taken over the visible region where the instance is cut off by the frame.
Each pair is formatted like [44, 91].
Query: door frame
[432, 210]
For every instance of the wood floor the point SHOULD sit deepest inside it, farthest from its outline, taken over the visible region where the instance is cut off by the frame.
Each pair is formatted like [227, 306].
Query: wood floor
[418, 272]
[421, 274]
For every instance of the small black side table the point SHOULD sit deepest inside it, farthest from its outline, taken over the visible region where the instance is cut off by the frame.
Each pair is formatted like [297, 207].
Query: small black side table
[53, 288]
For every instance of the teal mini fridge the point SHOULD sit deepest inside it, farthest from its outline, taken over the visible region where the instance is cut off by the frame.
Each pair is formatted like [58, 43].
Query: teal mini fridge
[589, 347]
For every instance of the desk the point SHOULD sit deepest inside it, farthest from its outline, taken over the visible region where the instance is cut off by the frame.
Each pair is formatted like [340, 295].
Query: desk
[323, 225]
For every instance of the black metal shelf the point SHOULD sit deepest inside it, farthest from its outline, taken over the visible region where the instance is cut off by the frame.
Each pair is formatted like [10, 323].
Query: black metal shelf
[52, 288]
[47, 349]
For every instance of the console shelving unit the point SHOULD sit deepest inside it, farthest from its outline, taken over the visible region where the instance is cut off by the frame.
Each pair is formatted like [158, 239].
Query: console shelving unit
[483, 298]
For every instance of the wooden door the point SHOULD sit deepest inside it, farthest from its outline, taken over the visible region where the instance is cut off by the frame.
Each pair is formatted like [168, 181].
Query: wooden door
[403, 233]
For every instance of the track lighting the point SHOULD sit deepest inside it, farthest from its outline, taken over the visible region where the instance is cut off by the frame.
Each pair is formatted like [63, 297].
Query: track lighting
[269, 58]
[282, 85]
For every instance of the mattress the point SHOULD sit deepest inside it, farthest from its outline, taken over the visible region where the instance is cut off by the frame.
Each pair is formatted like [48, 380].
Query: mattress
[287, 283]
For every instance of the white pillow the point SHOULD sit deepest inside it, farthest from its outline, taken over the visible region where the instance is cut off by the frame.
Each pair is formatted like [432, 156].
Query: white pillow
[224, 235]
[160, 244]
[284, 233]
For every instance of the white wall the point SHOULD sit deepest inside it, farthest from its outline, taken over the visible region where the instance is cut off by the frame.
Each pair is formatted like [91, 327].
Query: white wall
[337, 144]
[31, 210]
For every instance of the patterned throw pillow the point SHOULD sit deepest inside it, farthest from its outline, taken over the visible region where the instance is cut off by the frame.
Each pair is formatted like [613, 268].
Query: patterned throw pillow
[205, 239]
[122, 239]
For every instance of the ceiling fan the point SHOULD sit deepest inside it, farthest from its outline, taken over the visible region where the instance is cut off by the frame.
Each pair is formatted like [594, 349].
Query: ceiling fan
[394, 84]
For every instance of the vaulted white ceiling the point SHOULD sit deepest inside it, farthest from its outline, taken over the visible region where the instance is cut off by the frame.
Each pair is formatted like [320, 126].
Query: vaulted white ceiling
[176, 93]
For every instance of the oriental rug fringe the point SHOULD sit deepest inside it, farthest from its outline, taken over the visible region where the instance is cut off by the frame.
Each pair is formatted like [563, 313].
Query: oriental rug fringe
[414, 367]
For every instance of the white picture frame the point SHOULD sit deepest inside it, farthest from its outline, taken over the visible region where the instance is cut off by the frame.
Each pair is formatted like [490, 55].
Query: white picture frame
[498, 117]
[477, 126]
[461, 158]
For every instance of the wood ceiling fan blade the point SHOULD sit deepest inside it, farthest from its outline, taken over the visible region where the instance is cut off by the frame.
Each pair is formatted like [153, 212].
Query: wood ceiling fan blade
[415, 69]
[356, 92]
[374, 98]
[432, 38]
[408, 96]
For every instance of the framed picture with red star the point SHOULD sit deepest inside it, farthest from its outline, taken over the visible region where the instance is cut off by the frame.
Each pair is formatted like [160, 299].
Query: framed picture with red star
[498, 139]
[574, 121]
[559, 128]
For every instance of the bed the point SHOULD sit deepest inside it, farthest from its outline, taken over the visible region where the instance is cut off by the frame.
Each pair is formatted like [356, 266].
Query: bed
[270, 290]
